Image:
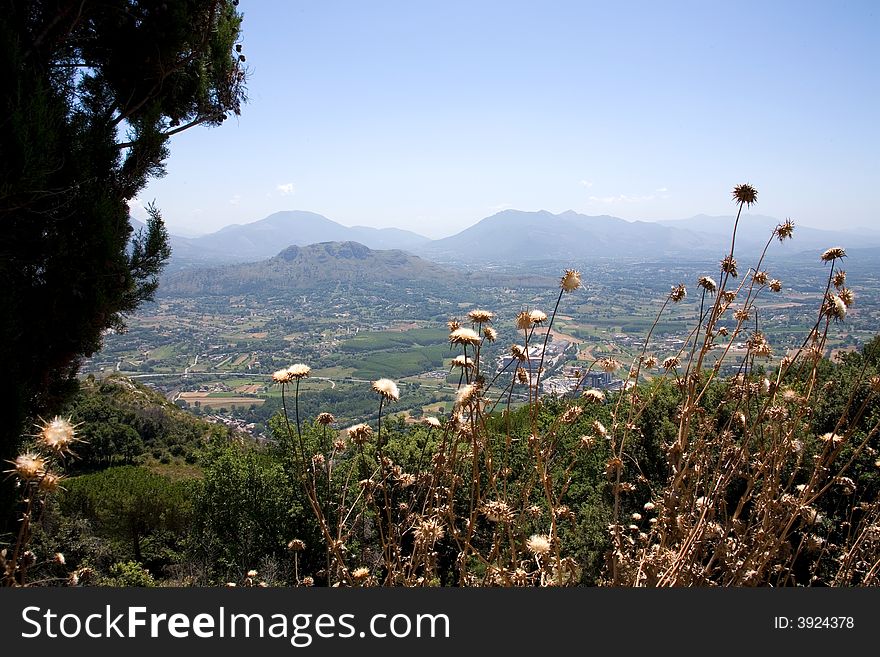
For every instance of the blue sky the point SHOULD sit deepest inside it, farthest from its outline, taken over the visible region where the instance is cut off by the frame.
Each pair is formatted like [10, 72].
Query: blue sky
[432, 115]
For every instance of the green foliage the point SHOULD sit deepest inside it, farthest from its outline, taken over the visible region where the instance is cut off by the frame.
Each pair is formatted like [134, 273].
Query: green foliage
[246, 509]
[129, 573]
[121, 421]
[144, 514]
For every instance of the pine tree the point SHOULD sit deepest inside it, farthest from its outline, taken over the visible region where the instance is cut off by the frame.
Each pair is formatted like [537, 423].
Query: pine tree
[92, 92]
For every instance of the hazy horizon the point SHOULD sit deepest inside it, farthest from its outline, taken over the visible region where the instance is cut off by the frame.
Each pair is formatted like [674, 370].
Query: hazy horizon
[430, 118]
[728, 216]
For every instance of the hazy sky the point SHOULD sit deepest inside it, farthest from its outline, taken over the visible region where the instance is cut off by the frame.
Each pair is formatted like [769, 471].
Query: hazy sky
[433, 115]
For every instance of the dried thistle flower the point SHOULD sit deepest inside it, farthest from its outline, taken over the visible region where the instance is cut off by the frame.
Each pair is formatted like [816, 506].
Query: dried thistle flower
[847, 485]
[521, 375]
[497, 511]
[728, 266]
[28, 466]
[609, 364]
[282, 376]
[670, 362]
[387, 389]
[538, 317]
[834, 253]
[538, 544]
[523, 320]
[708, 284]
[57, 436]
[59, 558]
[570, 281]
[490, 333]
[775, 285]
[308, 580]
[359, 574]
[678, 293]
[613, 466]
[325, 418]
[296, 545]
[518, 352]
[299, 370]
[832, 438]
[847, 296]
[466, 394]
[453, 325]
[836, 308]
[650, 362]
[761, 277]
[429, 531]
[479, 316]
[431, 422]
[594, 395]
[784, 230]
[50, 482]
[587, 442]
[463, 362]
[839, 279]
[599, 428]
[464, 336]
[745, 194]
[571, 414]
[359, 434]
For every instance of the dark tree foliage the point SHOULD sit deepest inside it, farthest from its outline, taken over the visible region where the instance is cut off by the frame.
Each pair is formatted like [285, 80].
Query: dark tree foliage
[92, 92]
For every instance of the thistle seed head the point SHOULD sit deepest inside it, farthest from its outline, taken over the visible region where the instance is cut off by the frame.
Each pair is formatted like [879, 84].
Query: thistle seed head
[745, 194]
[387, 389]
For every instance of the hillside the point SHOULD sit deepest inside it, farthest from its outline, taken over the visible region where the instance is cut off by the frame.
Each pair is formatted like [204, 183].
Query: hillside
[303, 267]
[122, 420]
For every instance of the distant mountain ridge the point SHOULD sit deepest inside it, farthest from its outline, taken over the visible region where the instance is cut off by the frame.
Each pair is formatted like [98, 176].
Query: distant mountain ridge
[264, 238]
[513, 236]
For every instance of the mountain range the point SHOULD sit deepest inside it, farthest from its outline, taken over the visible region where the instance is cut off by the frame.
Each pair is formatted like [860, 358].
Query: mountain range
[514, 236]
[266, 237]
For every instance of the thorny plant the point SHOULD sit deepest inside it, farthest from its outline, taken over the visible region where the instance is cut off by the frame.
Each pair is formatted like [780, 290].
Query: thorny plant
[38, 475]
[739, 506]
[744, 473]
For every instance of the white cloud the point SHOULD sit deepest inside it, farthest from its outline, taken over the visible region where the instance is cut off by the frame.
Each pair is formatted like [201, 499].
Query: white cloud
[235, 200]
[621, 198]
[136, 209]
[586, 183]
[661, 190]
[286, 189]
